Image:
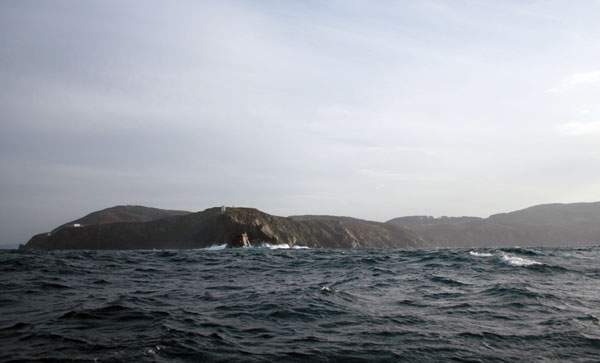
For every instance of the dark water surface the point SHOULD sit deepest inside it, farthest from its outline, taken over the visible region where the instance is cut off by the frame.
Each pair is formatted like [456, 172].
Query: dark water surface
[516, 304]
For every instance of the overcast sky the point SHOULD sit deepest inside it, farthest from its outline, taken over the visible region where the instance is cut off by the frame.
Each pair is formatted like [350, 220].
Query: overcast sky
[373, 109]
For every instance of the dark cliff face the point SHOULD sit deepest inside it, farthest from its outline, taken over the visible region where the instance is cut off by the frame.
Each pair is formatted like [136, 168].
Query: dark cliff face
[542, 225]
[212, 226]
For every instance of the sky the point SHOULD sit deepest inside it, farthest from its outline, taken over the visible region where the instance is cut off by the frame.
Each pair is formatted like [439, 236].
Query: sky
[371, 109]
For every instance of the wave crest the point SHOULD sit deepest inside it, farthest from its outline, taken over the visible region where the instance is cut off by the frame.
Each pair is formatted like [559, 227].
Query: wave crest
[265, 246]
[517, 261]
[480, 254]
[215, 247]
[284, 246]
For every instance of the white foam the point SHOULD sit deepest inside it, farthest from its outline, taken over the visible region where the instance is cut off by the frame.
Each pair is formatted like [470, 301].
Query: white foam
[216, 247]
[277, 247]
[284, 246]
[480, 254]
[517, 261]
[269, 246]
[301, 248]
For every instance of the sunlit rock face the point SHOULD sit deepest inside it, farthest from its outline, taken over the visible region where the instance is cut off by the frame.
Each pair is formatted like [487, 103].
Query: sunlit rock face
[240, 241]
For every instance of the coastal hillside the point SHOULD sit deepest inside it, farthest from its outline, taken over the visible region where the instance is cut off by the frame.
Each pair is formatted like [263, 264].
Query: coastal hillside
[123, 213]
[542, 225]
[214, 227]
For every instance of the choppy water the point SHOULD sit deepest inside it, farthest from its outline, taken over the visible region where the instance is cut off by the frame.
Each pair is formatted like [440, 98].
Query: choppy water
[301, 305]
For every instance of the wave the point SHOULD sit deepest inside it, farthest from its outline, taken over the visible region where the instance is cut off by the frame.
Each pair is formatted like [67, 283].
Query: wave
[329, 304]
[265, 246]
[283, 246]
[508, 259]
[277, 247]
[215, 247]
[517, 261]
[481, 254]
[520, 250]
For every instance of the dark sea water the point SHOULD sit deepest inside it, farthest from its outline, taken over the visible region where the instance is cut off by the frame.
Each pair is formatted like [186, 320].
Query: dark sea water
[505, 305]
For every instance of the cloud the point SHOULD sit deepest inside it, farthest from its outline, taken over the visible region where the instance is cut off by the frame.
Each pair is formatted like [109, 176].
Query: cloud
[575, 80]
[576, 128]
[583, 78]
[290, 107]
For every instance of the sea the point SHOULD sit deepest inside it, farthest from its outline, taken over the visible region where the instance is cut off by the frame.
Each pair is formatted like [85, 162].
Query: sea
[301, 305]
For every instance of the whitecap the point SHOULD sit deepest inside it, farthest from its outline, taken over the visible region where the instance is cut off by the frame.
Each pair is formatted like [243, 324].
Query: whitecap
[216, 247]
[283, 246]
[480, 254]
[517, 261]
[269, 246]
[301, 248]
[276, 247]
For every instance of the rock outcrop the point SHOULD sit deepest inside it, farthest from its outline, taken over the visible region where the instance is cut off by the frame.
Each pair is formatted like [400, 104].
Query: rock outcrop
[240, 241]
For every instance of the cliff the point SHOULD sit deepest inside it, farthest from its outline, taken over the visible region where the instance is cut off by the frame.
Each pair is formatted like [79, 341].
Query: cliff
[213, 226]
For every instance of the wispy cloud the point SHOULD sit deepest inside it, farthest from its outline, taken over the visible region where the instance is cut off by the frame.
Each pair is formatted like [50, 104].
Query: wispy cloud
[575, 80]
[577, 128]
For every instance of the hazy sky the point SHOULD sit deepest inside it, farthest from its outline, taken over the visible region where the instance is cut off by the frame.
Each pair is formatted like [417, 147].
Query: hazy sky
[374, 109]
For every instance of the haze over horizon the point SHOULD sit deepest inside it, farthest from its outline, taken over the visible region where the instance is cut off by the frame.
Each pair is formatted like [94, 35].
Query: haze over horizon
[371, 110]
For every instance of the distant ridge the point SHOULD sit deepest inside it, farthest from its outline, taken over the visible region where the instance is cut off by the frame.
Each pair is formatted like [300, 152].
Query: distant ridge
[542, 225]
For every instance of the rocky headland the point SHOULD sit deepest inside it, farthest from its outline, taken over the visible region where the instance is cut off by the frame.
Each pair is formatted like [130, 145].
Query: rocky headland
[236, 227]
[136, 227]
